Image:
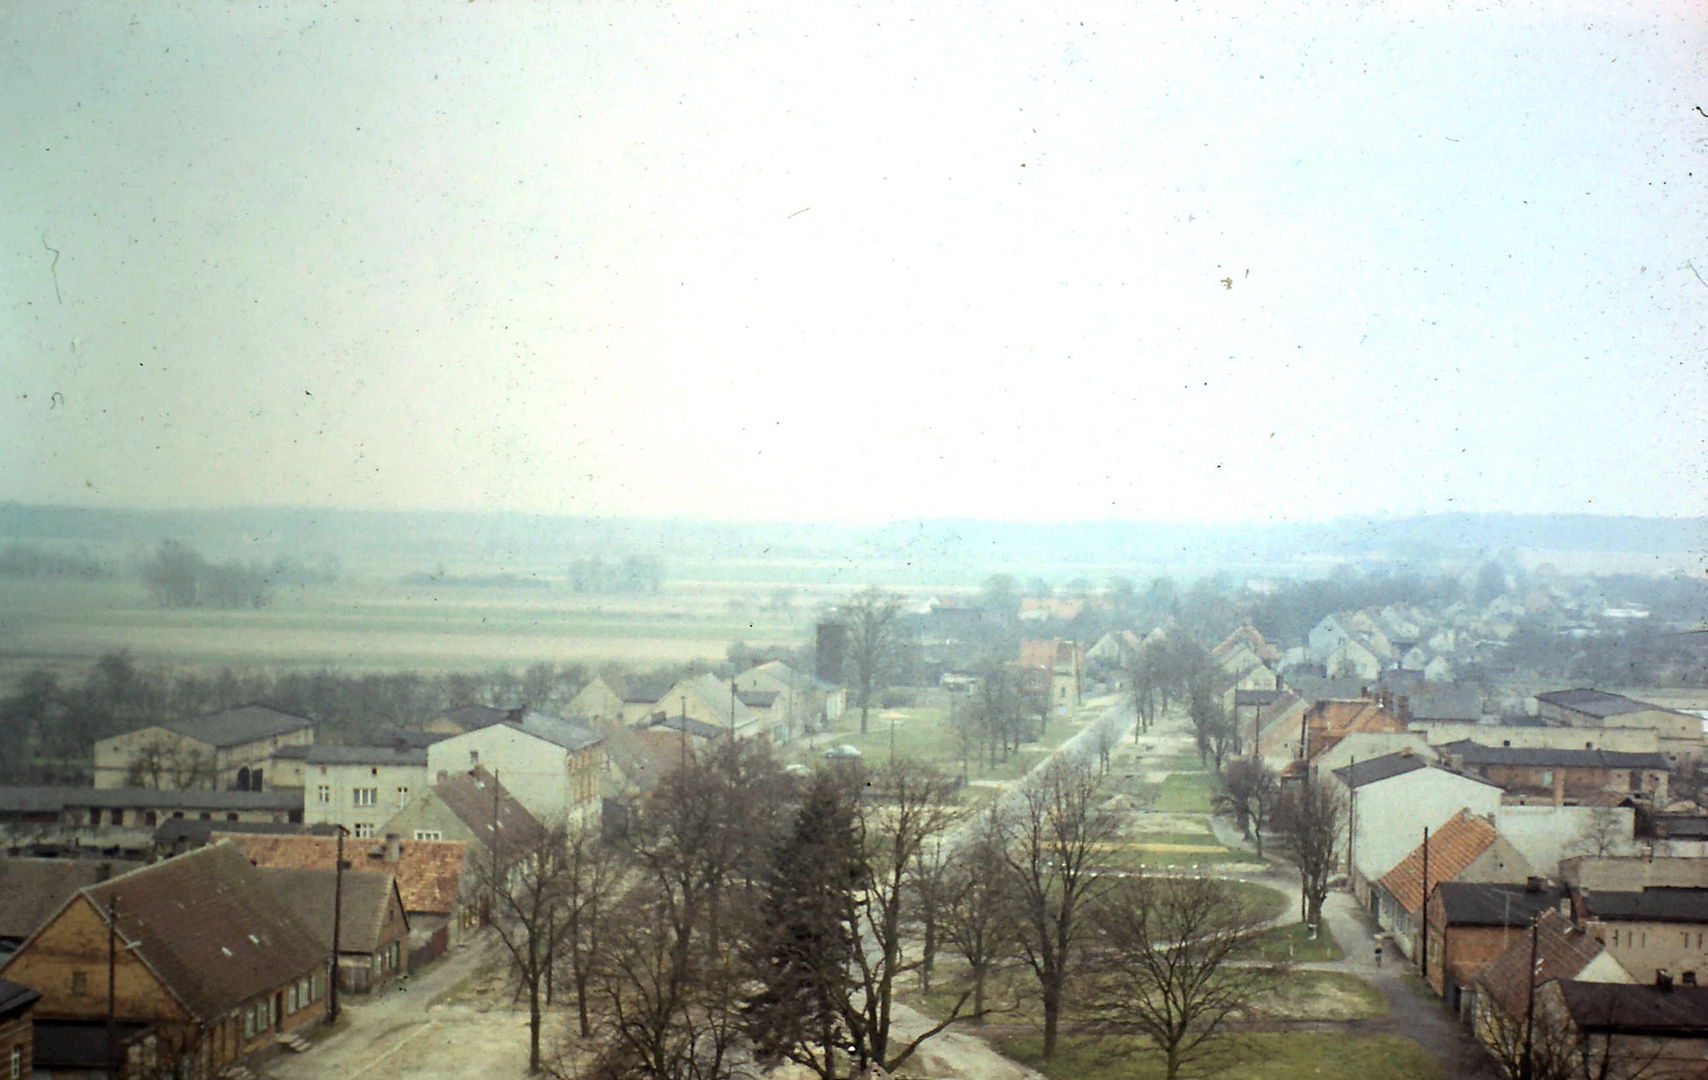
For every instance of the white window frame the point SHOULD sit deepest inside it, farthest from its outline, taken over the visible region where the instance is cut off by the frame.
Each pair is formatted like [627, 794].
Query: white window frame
[364, 796]
[364, 830]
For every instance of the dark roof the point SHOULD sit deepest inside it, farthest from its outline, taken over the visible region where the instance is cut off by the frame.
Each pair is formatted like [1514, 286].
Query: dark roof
[1468, 903]
[1596, 702]
[480, 802]
[35, 889]
[197, 832]
[398, 736]
[1472, 753]
[475, 717]
[429, 872]
[209, 929]
[1681, 828]
[638, 691]
[697, 728]
[244, 724]
[1562, 951]
[292, 751]
[555, 729]
[14, 998]
[362, 903]
[1450, 702]
[1622, 1008]
[757, 699]
[1259, 698]
[78, 1045]
[56, 799]
[367, 755]
[1653, 904]
[1359, 773]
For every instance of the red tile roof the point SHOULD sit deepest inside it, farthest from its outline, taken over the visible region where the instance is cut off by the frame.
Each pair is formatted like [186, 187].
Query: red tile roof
[429, 872]
[1452, 848]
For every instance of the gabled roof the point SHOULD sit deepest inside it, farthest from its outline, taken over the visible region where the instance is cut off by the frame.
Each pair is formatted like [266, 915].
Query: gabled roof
[697, 728]
[1249, 636]
[1472, 753]
[1675, 1012]
[757, 699]
[209, 929]
[1360, 773]
[1598, 703]
[367, 755]
[35, 889]
[1259, 698]
[244, 724]
[14, 997]
[195, 832]
[484, 805]
[400, 737]
[1654, 904]
[428, 872]
[1476, 903]
[475, 717]
[646, 755]
[1563, 951]
[555, 729]
[1452, 848]
[363, 900]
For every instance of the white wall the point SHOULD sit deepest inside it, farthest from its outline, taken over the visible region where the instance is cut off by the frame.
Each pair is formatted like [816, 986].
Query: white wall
[1547, 834]
[535, 771]
[341, 782]
[1390, 815]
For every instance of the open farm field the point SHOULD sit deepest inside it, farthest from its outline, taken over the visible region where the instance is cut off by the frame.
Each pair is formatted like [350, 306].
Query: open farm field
[382, 626]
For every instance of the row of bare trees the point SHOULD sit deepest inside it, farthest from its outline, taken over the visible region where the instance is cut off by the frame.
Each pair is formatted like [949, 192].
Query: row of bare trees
[750, 917]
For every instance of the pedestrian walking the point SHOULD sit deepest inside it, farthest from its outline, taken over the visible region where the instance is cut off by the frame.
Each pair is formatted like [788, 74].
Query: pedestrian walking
[1378, 954]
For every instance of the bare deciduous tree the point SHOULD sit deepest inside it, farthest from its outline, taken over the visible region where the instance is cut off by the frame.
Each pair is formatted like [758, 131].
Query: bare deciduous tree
[1309, 823]
[872, 616]
[977, 920]
[1249, 790]
[1055, 839]
[526, 889]
[1164, 967]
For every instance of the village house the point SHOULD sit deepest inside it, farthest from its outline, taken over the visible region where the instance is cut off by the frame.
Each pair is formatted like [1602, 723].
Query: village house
[210, 965]
[35, 889]
[1053, 671]
[1473, 922]
[471, 807]
[1659, 929]
[713, 702]
[1466, 848]
[620, 699]
[554, 767]
[360, 787]
[1390, 800]
[120, 822]
[1562, 776]
[1323, 724]
[1679, 734]
[372, 929]
[1656, 1029]
[226, 750]
[434, 877]
[17, 1025]
[1510, 984]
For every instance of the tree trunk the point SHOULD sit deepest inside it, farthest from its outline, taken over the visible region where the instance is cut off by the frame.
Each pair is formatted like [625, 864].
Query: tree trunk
[1052, 1015]
[978, 992]
[534, 1025]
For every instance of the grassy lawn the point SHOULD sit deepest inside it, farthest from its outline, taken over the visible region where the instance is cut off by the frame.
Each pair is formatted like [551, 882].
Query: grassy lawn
[923, 733]
[1295, 943]
[1322, 995]
[1249, 1057]
[1186, 792]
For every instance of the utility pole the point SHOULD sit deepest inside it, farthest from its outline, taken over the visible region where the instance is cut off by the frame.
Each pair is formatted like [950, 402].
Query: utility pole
[1526, 1064]
[337, 927]
[1423, 910]
[112, 981]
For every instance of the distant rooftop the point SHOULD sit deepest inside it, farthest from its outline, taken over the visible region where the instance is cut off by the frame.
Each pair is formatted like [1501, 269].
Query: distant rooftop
[244, 724]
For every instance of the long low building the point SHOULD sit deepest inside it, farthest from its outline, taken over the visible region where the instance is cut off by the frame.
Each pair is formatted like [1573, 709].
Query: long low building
[61, 821]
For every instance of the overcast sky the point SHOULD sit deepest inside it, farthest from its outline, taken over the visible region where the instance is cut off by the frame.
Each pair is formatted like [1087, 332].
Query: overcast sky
[1235, 261]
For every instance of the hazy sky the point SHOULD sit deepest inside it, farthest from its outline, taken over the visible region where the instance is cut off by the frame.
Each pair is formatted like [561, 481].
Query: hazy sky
[1155, 259]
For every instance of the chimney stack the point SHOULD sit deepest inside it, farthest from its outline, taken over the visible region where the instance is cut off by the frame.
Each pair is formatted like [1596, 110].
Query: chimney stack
[1403, 708]
[393, 847]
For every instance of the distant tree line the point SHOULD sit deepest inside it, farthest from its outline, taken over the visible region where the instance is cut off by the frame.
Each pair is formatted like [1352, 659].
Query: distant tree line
[178, 576]
[474, 581]
[30, 561]
[50, 721]
[637, 573]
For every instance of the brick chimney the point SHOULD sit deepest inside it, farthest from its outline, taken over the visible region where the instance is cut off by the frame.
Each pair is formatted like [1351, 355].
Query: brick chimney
[393, 847]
